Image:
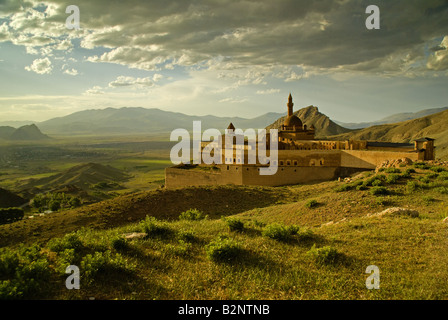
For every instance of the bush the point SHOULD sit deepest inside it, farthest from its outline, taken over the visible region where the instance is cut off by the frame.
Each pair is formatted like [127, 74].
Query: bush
[305, 234]
[27, 272]
[361, 187]
[324, 255]
[428, 200]
[379, 191]
[432, 175]
[119, 243]
[438, 169]
[409, 170]
[182, 249]
[344, 187]
[192, 214]
[377, 183]
[69, 241]
[421, 165]
[443, 176]
[311, 204]
[8, 215]
[155, 229]
[223, 249]
[187, 236]
[442, 190]
[392, 170]
[103, 263]
[234, 224]
[280, 232]
[392, 178]
[413, 186]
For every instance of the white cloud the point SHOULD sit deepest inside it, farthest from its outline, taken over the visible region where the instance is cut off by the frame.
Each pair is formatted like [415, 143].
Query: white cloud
[268, 91]
[94, 91]
[439, 59]
[72, 72]
[40, 66]
[123, 81]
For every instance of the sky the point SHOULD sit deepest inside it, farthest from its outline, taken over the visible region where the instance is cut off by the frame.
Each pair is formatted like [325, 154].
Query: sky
[224, 58]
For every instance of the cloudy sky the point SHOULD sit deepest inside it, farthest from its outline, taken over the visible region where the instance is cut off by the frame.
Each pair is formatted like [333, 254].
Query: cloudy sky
[222, 57]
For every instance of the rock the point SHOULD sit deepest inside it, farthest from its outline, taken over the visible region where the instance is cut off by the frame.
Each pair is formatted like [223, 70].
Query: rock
[135, 235]
[396, 211]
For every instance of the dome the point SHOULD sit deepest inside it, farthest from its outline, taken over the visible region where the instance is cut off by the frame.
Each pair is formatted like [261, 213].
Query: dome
[292, 121]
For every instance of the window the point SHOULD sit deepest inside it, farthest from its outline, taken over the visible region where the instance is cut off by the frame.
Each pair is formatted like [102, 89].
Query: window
[288, 162]
[281, 162]
[295, 162]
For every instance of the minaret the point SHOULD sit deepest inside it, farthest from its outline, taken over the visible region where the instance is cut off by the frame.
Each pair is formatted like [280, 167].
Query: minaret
[290, 105]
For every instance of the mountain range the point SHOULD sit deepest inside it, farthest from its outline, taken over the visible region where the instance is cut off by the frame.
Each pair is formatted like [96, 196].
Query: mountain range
[398, 117]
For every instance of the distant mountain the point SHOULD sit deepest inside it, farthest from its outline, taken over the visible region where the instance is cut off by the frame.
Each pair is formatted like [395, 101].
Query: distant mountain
[393, 118]
[15, 124]
[27, 132]
[311, 116]
[142, 120]
[433, 126]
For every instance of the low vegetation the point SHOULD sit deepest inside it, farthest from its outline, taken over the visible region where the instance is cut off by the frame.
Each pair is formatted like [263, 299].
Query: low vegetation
[291, 247]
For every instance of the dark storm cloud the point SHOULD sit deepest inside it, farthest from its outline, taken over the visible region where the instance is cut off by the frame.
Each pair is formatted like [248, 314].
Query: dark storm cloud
[317, 34]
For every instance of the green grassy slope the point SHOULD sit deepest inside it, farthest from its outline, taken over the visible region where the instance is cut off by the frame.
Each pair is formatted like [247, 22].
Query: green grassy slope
[174, 260]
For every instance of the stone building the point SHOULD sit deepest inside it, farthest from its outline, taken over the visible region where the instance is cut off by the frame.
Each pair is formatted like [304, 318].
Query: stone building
[301, 158]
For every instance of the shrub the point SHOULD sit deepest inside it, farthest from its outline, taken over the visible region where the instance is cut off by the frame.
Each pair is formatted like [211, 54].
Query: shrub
[187, 236]
[392, 170]
[234, 224]
[361, 187]
[442, 190]
[192, 214]
[311, 203]
[103, 263]
[69, 241]
[26, 269]
[413, 186]
[344, 187]
[392, 178]
[155, 229]
[377, 183]
[119, 243]
[409, 170]
[428, 200]
[443, 176]
[280, 232]
[305, 234]
[182, 249]
[379, 191]
[438, 169]
[421, 165]
[324, 255]
[432, 175]
[223, 250]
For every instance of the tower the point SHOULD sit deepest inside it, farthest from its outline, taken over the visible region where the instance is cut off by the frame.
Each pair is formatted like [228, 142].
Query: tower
[290, 105]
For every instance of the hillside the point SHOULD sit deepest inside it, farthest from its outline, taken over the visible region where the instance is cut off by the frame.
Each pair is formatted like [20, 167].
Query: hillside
[293, 243]
[82, 176]
[26, 133]
[398, 117]
[433, 126]
[9, 199]
[311, 116]
[142, 120]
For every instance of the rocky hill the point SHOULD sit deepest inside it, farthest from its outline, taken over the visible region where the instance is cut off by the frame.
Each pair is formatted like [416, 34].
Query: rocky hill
[26, 133]
[433, 126]
[311, 116]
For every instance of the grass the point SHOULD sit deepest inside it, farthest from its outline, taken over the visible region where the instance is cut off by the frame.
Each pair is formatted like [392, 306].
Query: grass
[286, 250]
